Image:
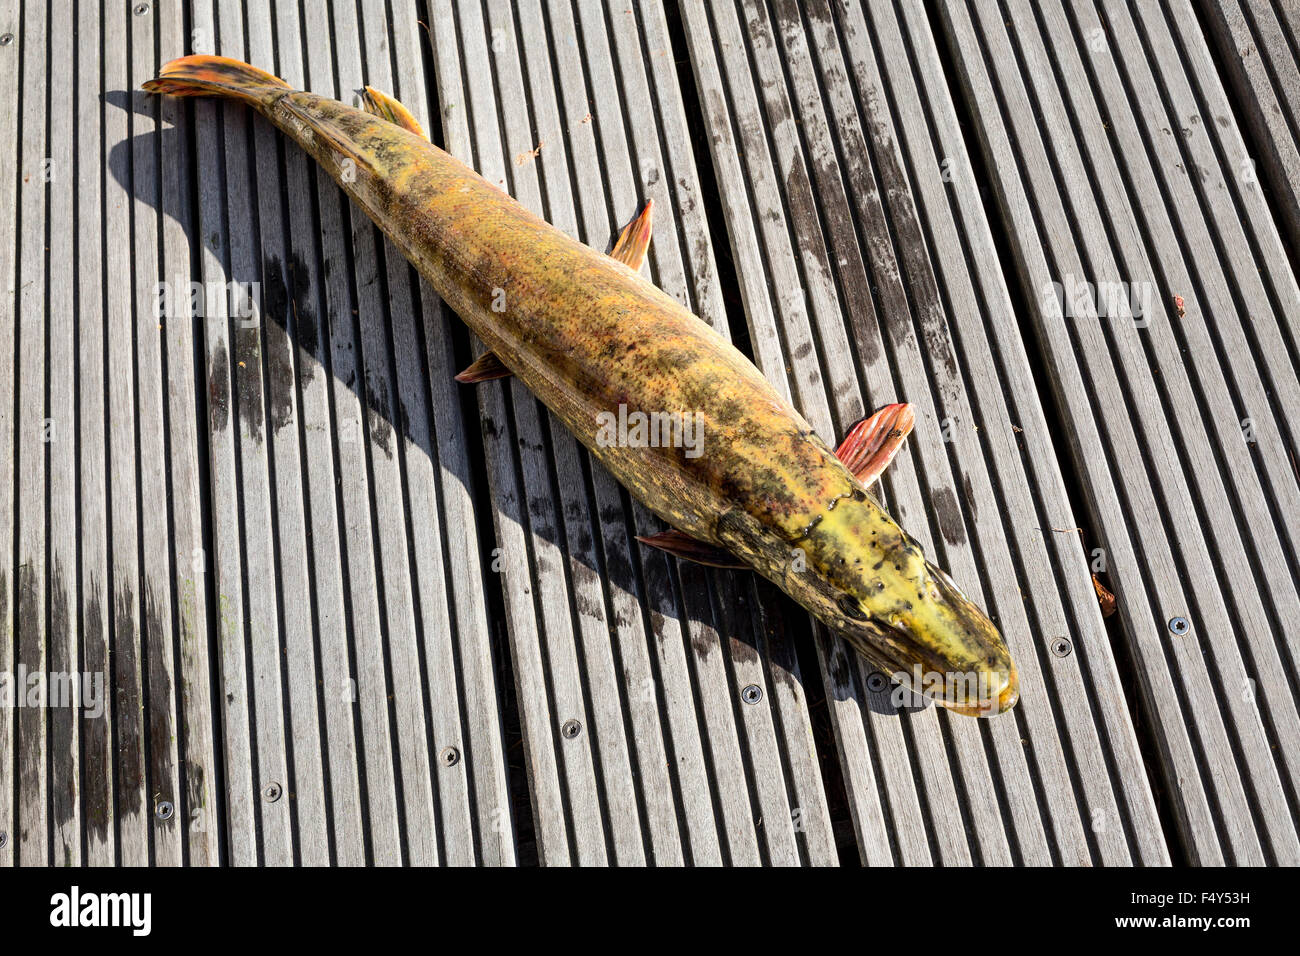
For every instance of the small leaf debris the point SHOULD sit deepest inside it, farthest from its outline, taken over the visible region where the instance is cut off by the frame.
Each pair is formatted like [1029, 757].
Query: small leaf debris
[529, 155]
[1104, 598]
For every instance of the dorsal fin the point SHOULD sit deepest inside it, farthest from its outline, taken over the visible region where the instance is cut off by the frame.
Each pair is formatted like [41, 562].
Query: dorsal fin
[382, 105]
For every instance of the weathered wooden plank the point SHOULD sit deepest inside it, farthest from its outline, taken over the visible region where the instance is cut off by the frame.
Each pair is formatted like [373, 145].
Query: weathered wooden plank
[721, 45]
[609, 533]
[553, 121]
[352, 488]
[156, 602]
[825, 191]
[195, 808]
[254, 519]
[1256, 41]
[960, 405]
[1098, 733]
[1116, 550]
[31, 426]
[1180, 252]
[1266, 711]
[1240, 214]
[243, 470]
[307, 787]
[10, 106]
[94, 606]
[124, 586]
[64, 657]
[511, 557]
[302, 272]
[471, 129]
[442, 823]
[761, 107]
[1152, 468]
[876, 837]
[227, 575]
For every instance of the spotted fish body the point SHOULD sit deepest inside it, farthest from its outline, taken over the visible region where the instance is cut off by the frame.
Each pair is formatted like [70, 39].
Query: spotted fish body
[589, 335]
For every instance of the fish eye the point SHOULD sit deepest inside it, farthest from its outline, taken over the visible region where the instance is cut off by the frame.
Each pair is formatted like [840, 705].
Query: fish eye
[851, 608]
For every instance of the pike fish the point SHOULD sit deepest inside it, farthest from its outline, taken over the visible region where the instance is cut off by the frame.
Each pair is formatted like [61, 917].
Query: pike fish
[592, 338]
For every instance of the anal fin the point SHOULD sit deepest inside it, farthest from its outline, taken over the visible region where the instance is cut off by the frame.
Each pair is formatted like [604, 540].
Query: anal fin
[386, 107]
[485, 368]
[634, 241]
[682, 545]
[873, 442]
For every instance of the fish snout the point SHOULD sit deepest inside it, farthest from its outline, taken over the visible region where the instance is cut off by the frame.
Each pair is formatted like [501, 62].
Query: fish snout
[990, 706]
[980, 679]
[945, 648]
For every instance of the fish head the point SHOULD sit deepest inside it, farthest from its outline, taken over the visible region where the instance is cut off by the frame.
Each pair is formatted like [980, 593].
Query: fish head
[862, 575]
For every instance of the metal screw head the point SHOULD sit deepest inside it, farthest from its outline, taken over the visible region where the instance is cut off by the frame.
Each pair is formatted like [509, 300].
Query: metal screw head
[751, 694]
[272, 792]
[6, 39]
[1180, 625]
[570, 729]
[164, 811]
[141, 9]
[1061, 647]
[449, 756]
[877, 682]
[4, 839]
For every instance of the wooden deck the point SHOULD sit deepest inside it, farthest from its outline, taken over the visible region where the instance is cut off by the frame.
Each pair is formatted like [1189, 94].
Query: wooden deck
[342, 609]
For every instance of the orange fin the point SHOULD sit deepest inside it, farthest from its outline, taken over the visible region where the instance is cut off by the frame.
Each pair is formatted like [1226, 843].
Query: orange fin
[682, 545]
[484, 369]
[634, 240]
[872, 443]
[203, 75]
[384, 106]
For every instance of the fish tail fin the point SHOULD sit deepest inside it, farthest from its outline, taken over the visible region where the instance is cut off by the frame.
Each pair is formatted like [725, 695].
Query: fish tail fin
[203, 75]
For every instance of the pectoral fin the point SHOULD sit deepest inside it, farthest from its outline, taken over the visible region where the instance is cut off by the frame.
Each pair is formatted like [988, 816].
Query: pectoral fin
[681, 545]
[485, 368]
[872, 443]
[384, 106]
[634, 241]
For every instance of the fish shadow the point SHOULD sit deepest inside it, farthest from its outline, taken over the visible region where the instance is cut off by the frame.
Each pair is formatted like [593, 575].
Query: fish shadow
[317, 314]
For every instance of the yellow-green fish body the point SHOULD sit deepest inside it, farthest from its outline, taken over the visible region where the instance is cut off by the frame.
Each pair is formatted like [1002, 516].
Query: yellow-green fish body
[598, 343]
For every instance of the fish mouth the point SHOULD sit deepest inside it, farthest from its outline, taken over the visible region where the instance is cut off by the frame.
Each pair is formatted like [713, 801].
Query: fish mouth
[948, 651]
[963, 688]
[1004, 700]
